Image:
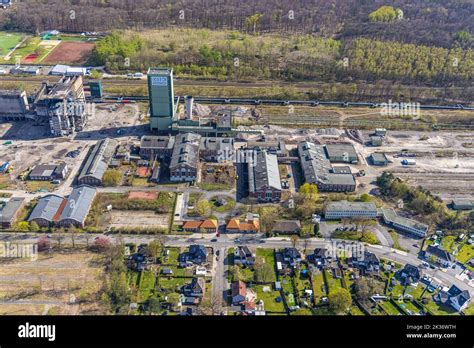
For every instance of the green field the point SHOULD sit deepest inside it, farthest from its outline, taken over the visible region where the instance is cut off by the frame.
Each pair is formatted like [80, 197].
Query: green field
[8, 41]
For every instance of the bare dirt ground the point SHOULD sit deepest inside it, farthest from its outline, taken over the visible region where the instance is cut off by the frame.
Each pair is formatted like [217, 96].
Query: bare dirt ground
[70, 53]
[138, 219]
[47, 284]
[32, 144]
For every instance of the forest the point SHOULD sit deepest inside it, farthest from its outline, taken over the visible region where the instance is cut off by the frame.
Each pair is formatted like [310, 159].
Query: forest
[231, 55]
[427, 22]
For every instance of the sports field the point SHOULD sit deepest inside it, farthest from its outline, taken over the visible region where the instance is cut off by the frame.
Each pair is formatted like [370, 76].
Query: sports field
[8, 41]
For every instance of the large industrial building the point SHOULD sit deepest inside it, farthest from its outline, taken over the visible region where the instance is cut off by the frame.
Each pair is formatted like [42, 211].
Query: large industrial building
[13, 105]
[97, 162]
[185, 157]
[350, 210]
[54, 210]
[162, 103]
[63, 105]
[317, 170]
[264, 177]
[404, 224]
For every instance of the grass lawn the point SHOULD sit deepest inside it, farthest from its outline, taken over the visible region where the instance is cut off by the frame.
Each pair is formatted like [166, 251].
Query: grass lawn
[147, 280]
[332, 283]
[247, 274]
[438, 309]
[396, 243]
[390, 308]
[267, 255]
[6, 183]
[356, 311]
[34, 186]
[302, 283]
[410, 306]
[465, 253]
[132, 278]
[318, 287]
[230, 204]
[215, 187]
[172, 258]
[469, 310]
[172, 283]
[448, 243]
[287, 285]
[269, 299]
[141, 182]
[8, 41]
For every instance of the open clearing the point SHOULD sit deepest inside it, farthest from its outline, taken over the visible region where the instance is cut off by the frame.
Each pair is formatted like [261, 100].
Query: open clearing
[138, 219]
[70, 53]
[46, 285]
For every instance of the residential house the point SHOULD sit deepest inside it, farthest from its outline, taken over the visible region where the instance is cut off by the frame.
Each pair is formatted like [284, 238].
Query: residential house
[249, 225]
[243, 256]
[209, 226]
[408, 275]
[239, 292]
[197, 288]
[439, 256]
[369, 263]
[320, 257]
[291, 256]
[454, 297]
[287, 227]
[197, 254]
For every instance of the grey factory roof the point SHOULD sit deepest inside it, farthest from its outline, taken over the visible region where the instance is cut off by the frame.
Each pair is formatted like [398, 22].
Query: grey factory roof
[43, 170]
[317, 168]
[351, 206]
[217, 144]
[78, 203]
[338, 150]
[264, 172]
[156, 142]
[186, 150]
[46, 208]
[9, 209]
[99, 158]
[391, 216]
[342, 170]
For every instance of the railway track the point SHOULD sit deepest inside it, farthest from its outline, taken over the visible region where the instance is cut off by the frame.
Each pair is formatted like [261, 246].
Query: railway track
[242, 101]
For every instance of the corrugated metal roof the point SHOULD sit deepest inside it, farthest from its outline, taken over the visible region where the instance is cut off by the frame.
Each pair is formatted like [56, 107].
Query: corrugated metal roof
[264, 173]
[10, 208]
[79, 203]
[46, 208]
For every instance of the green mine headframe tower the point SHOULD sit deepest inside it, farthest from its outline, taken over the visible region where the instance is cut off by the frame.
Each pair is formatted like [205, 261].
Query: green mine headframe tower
[161, 95]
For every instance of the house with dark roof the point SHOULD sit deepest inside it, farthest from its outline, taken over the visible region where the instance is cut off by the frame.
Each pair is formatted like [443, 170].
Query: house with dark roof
[197, 288]
[369, 263]
[197, 254]
[320, 257]
[287, 227]
[291, 256]
[454, 297]
[408, 275]
[438, 255]
[243, 256]
[239, 292]
[48, 172]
